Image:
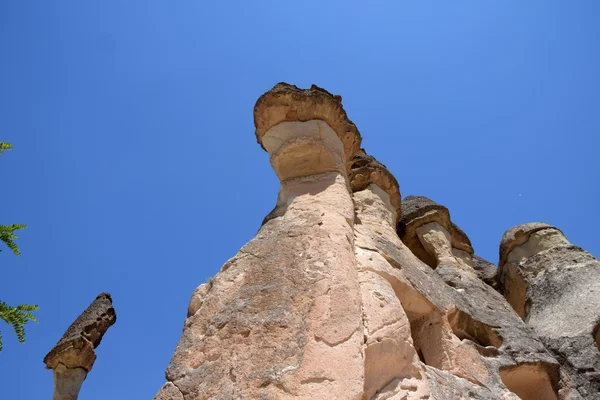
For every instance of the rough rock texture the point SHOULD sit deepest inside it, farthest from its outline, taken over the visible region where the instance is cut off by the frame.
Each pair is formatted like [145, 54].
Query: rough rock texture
[283, 317]
[481, 317]
[419, 211]
[73, 356]
[347, 292]
[366, 170]
[486, 271]
[555, 287]
[287, 102]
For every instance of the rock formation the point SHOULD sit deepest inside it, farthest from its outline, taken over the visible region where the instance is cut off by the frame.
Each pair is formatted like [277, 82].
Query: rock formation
[347, 292]
[73, 356]
[282, 319]
[518, 358]
[555, 287]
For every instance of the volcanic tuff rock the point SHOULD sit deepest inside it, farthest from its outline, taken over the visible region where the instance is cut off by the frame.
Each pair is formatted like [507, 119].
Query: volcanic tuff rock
[519, 359]
[73, 356]
[347, 292]
[555, 287]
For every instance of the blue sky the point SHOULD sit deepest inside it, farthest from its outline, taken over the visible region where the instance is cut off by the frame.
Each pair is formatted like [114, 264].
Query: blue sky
[137, 171]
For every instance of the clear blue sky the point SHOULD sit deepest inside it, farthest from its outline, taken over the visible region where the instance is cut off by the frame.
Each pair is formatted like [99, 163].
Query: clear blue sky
[136, 168]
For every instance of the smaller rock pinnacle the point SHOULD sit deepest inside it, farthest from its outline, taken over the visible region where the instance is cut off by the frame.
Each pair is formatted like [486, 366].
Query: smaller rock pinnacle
[73, 356]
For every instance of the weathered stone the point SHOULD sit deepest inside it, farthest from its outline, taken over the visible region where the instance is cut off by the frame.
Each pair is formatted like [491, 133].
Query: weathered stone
[555, 287]
[486, 271]
[289, 103]
[430, 343]
[366, 170]
[418, 211]
[346, 292]
[481, 316]
[516, 236]
[73, 356]
[282, 319]
[67, 382]
[457, 336]
[168, 392]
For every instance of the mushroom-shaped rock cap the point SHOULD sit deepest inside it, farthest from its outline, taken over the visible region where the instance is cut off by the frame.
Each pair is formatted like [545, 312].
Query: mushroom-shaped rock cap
[517, 235]
[287, 102]
[365, 169]
[420, 210]
[76, 348]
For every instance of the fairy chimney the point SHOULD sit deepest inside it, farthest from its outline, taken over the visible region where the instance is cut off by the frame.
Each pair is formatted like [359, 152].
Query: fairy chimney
[73, 356]
[555, 287]
[349, 292]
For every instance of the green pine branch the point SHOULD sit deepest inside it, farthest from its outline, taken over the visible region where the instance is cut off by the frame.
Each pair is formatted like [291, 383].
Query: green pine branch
[8, 237]
[5, 146]
[17, 317]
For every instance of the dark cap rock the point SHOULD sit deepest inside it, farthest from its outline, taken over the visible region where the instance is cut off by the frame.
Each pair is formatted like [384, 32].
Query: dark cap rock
[517, 235]
[420, 210]
[76, 348]
[365, 170]
[287, 102]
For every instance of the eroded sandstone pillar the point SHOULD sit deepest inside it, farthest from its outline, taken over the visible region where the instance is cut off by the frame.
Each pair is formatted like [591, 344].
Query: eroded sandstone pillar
[427, 229]
[392, 366]
[282, 318]
[511, 349]
[73, 356]
[417, 328]
[555, 287]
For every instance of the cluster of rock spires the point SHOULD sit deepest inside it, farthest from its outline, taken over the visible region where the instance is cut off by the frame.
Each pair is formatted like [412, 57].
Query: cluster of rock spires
[349, 292]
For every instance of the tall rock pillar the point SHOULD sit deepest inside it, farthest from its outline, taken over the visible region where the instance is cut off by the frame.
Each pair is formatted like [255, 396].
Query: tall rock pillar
[282, 319]
[555, 287]
[392, 366]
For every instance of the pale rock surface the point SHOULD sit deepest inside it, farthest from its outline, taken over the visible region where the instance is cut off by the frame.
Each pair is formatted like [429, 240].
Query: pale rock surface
[482, 316]
[436, 350]
[289, 103]
[346, 292]
[283, 317]
[555, 287]
[461, 351]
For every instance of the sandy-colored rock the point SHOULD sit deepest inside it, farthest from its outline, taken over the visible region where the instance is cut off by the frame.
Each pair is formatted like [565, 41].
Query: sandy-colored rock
[285, 102]
[457, 341]
[424, 337]
[518, 235]
[436, 241]
[418, 211]
[346, 292]
[529, 381]
[168, 392]
[366, 170]
[73, 356]
[67, 382]
[481, 316]
[283, 317]
[555, 287]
